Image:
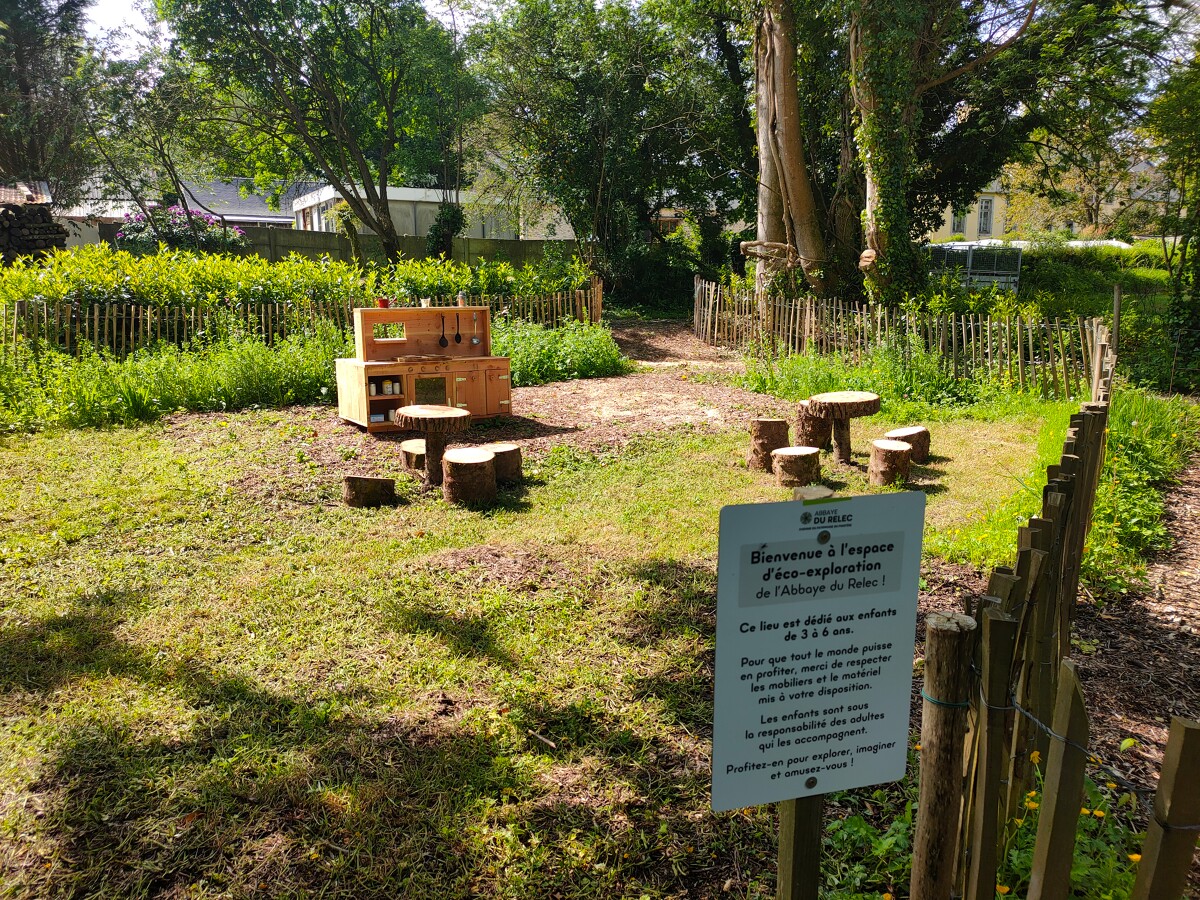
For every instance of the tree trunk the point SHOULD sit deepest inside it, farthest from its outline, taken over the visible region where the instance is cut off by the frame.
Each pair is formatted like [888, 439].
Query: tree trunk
[789, 232]
[766, 435]
[890, 462]
[365, 491]
[469, 476]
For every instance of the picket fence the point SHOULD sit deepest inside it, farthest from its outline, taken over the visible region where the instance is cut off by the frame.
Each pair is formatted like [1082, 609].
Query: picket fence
[1052, 358]
[123, 327]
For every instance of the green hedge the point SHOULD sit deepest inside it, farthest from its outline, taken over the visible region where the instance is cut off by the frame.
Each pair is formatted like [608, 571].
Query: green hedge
[96, 274]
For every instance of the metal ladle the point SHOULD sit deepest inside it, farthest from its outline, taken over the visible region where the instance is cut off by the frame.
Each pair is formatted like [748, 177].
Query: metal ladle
[476, 340]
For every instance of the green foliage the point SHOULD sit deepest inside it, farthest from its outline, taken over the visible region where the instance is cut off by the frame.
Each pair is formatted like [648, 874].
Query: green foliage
[1105, 862]
[178, 229]
[449, 223]
[540, 355]
[228, 371]
[96, 273]
[1150, 441]
[911, 381]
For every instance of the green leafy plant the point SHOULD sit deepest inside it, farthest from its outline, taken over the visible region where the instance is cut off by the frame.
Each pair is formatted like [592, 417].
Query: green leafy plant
[539, 355]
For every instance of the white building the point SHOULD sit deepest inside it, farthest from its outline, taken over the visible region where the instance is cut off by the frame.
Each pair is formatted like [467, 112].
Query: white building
[414, 211]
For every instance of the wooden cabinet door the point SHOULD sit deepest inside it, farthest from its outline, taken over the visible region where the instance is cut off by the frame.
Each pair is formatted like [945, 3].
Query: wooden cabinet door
[470, 392]
[499, 392]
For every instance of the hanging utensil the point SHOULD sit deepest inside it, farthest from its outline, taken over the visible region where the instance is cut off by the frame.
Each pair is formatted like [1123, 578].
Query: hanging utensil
[476, 340]
[457, 330]
[442, 342]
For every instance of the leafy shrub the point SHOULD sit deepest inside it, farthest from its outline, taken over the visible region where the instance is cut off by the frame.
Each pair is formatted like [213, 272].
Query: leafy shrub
[540, 355]
[96, 274]
[233, 371]
[1150, 441]
[179, 229]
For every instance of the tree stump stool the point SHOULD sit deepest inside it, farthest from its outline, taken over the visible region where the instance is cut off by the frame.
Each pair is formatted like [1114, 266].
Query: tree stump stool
[917, 437]
[437, 423]
[508, 462]
[414, 453]
[841, 407]
[367, 491]
[766, 435]
[889, 462]
[813, 430]
[469, 476]
[796, 466]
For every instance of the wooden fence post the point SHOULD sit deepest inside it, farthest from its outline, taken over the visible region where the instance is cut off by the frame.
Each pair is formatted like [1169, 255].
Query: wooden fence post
[999, 641]
[943, 724]
[1175, 826]
[1062, 790]
[1116, 328]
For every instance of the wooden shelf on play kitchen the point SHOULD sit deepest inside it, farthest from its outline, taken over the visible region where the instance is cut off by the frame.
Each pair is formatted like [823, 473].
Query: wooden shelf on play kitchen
[403, 346]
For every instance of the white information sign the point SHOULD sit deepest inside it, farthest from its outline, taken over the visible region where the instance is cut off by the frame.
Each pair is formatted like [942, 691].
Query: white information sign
[816, 618]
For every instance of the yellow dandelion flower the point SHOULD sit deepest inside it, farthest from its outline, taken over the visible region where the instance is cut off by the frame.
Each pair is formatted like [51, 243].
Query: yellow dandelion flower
[1085, 812]
[1031, 804]
[1002, 889]
[916, 746]
[1112, 785]
[1031, 794]
[1099, 813]
[1135, 857]
[1035, 757]
[1018, 822]
[887, 897]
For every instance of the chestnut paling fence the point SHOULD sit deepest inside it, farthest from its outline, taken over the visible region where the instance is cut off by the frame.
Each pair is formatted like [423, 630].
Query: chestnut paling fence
[123, 327]
[1051, 357]
[1003, 708]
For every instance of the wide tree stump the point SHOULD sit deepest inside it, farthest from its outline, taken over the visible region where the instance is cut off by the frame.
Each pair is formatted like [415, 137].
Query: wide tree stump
[766, 435]
[917, 437]
[366, 491]
[889, 462]
[841, 407]
[796, 466]
[813, 430]
[509, 469]
[414, 454]
[437, 423]
[469, 476]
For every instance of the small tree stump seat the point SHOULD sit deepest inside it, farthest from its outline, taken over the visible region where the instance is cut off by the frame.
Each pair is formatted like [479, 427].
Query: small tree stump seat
[766, 435]
[796, 466]
[889, 462]
[414, 454]
[917, 437]
[509, 469]
[368, 491]
[469, 476]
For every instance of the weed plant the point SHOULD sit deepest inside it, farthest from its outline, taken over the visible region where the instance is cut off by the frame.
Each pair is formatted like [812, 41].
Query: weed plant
[540, 355]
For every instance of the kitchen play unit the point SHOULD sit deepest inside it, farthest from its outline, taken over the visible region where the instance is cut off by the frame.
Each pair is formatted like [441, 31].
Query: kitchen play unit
[438, 356]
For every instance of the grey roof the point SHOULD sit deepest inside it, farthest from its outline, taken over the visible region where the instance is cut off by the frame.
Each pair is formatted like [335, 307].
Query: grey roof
[21, 193]
[226, 199]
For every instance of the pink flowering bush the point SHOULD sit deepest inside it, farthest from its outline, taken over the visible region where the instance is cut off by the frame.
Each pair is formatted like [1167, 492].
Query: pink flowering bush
[142, 233]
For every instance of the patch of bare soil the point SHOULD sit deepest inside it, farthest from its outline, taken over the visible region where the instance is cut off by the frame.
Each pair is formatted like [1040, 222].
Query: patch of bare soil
[508, 567]
[1138, 657]
[666, 341]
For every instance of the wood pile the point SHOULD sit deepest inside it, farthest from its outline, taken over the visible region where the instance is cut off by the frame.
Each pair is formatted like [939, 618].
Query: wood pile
[28, 230]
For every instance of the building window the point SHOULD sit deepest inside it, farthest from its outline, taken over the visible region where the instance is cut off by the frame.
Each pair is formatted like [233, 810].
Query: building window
[958, 224]
[985, 216]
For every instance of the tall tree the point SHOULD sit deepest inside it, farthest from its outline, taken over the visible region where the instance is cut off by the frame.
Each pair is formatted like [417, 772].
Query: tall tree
[606, 113]
[41, 96]
[355, 91]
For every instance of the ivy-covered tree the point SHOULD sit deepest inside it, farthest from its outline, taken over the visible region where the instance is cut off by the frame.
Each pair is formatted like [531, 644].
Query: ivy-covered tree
[41, 96]
[362, 93]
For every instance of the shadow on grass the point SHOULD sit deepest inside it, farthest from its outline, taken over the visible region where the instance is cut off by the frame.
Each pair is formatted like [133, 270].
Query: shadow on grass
[464, 634]
[257, 794]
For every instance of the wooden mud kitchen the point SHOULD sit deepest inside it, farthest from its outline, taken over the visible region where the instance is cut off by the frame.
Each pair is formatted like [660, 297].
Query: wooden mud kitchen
[438, 356]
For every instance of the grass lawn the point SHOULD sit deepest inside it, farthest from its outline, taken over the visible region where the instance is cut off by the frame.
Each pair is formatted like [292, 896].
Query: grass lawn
[217, 681]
